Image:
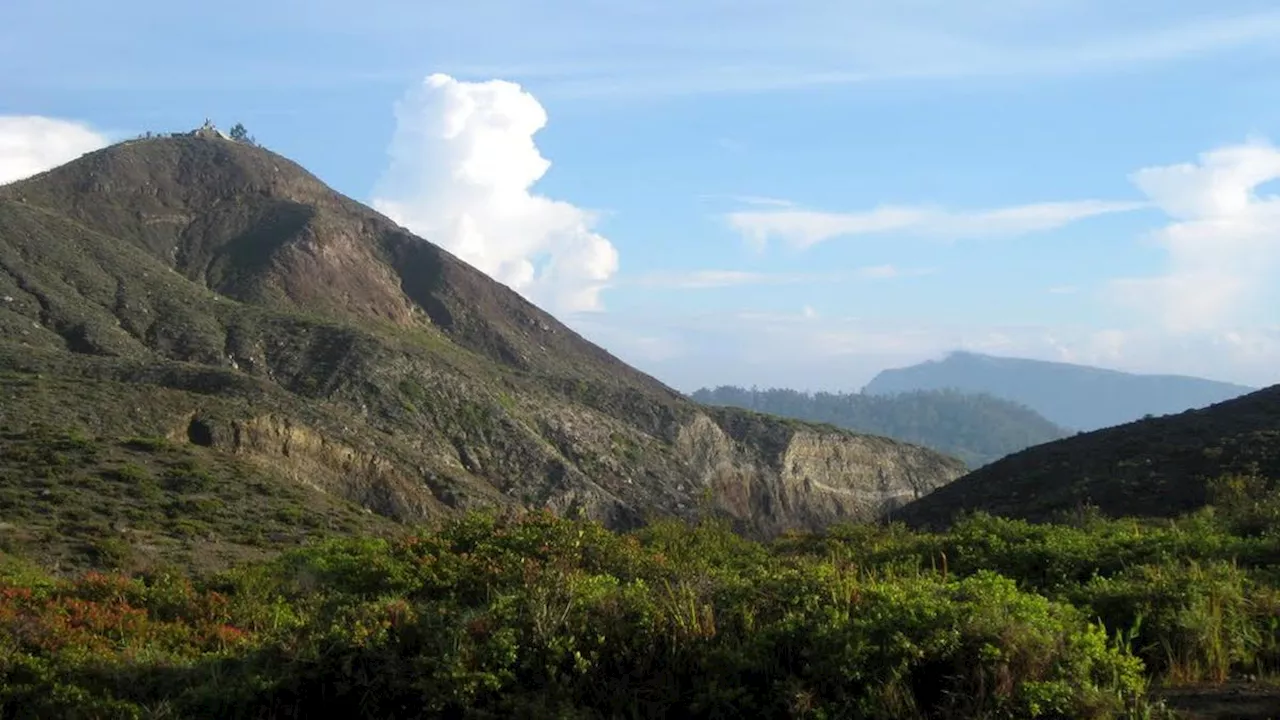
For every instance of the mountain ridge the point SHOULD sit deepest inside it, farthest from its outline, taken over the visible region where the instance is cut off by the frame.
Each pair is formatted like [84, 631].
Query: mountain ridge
[1078, 397]
[272, 318]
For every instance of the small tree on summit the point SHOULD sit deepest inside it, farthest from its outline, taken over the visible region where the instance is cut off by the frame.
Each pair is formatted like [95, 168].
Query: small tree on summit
[239, 134]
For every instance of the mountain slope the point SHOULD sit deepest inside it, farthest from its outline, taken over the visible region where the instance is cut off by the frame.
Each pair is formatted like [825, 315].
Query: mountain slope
[215, 294]
[978, 429]
[1157, 467]
[1073, 396]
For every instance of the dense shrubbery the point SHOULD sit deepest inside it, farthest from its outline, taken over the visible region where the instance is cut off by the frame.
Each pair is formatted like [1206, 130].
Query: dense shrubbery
[541, 617]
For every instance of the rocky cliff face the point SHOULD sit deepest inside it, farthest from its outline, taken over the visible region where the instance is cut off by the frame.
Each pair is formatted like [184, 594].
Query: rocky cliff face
[811, 478]
[216, 294]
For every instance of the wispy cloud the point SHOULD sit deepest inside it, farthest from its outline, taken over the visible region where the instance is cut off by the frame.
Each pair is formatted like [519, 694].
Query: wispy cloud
[805, 228]
[824, 43]
[712, 279]
[709, 279]
[761, 201]
[890, 272]
[750, 200]
[587, 48]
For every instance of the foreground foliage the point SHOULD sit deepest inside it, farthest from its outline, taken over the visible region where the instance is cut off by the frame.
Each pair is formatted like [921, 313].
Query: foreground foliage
[536, 616]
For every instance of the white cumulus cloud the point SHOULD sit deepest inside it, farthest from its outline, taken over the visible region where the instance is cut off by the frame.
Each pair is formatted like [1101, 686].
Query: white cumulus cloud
[30, 144]
[463, 166]
[1223, 244]
[804, 228]
[715, 279]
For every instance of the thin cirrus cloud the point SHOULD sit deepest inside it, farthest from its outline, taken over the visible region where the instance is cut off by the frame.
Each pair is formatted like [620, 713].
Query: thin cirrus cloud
[668, 50]
[714, 279]
[31, 144]
[806, 228]
[652, 49]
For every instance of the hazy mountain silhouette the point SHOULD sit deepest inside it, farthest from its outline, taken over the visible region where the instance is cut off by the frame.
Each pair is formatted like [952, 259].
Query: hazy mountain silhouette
[1078, 397]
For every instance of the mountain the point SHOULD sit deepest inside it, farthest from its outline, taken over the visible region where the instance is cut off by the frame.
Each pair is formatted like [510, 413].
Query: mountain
[1159, 467]
[211, 296]
[976, 428]
[1073, 396]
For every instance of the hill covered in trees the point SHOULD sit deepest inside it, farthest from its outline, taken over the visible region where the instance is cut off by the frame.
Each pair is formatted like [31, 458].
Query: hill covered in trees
[976, 428]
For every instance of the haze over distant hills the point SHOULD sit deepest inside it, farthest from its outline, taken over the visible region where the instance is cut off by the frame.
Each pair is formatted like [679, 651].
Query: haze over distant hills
[976, 428]
[1078, 397]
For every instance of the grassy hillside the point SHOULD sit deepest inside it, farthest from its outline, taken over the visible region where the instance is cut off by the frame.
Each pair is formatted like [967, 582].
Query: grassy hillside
[68, 501]
[973, 427]
[1160, 467]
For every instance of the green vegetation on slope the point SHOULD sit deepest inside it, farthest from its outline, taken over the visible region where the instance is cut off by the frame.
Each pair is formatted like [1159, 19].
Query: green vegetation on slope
[534, 616]
[132, 503]
[162, 281]
[1158, 467]
[976, 428]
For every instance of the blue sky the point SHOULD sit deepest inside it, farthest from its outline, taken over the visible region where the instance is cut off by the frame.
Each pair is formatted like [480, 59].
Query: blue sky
[759, 192]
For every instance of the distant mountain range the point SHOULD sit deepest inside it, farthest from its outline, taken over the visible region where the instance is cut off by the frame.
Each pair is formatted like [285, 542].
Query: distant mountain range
[1160, 467]
[977, 428]
[1078, 397]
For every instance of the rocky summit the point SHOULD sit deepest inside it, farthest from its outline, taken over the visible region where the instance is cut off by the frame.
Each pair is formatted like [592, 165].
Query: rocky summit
[214, 296]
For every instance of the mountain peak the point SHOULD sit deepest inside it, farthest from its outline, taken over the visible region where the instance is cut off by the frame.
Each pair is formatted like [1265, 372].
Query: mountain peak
[293, 325]
[247, 223]
[172, 171]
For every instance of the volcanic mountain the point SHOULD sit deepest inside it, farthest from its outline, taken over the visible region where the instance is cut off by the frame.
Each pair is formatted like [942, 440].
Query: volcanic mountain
[1158, 467]
[209, 294]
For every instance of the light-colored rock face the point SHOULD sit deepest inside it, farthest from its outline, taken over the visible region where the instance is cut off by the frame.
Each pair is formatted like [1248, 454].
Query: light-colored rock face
[815, 478]
[809, 480]
[307, 457]
[858, 477]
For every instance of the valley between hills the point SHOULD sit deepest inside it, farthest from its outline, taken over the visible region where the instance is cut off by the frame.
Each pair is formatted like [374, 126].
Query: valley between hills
[264, 453]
